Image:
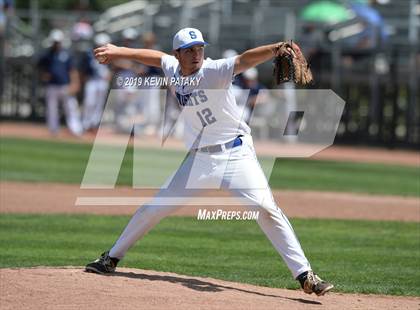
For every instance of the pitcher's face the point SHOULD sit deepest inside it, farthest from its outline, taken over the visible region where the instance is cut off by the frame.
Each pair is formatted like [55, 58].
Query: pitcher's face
[190, 59]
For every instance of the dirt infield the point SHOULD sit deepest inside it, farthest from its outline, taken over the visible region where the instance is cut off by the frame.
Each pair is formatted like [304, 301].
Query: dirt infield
[61, 198]
[71, 288]
[263, 148]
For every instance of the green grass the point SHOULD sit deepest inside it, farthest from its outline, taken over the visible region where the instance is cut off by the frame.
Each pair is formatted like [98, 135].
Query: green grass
[357, 256]
[46, 161]
[346, 177]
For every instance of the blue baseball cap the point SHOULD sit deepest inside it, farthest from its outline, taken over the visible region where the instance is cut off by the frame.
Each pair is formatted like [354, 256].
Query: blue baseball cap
[188, 37]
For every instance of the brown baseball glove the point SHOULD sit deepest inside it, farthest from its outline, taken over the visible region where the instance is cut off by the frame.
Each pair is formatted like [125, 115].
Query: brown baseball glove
[290, 65]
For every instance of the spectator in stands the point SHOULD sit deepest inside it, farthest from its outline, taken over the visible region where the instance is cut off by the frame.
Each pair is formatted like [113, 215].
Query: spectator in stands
[81, 36]
[238, 87]
[126, 106]
[149, 99]
[311, 43]
[96, 86]
[249, 81]
[62, 83]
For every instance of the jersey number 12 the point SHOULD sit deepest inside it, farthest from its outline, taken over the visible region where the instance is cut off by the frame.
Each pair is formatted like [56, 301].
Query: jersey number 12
[206, 117]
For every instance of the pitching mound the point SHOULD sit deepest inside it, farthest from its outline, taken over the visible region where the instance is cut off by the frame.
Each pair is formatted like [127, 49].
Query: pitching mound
[72, 288]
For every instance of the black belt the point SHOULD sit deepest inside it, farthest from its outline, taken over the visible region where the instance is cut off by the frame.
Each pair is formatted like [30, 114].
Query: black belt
[217, 148]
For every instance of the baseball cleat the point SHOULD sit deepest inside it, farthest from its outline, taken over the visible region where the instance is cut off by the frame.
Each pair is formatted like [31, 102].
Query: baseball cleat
[104, 264]
[312, 283]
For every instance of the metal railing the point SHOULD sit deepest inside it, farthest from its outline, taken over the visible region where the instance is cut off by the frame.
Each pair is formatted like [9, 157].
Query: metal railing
[382, 108]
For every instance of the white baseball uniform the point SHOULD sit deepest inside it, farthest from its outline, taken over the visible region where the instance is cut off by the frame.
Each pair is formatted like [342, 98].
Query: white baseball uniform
[54, 95]
[96, 89]
[212, 117]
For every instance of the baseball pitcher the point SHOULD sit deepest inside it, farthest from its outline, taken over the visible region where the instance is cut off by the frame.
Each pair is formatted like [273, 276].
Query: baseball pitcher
[220, 144]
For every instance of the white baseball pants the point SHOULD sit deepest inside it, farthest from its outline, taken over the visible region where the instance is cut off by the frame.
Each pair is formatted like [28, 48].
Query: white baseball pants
[55, 94]
[236, 170]
[93, 104]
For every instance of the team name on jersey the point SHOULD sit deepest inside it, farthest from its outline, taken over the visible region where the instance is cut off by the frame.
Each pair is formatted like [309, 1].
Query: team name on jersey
[192, 99]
